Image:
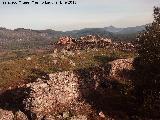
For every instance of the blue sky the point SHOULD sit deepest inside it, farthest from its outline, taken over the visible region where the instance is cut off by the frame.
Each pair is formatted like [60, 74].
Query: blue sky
[85, 14]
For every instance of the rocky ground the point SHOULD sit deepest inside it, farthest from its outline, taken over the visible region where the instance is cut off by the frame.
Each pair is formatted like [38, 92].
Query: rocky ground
[85, 94]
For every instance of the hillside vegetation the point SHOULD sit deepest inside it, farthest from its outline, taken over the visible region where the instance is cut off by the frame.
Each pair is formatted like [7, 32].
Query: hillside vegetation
[56, 61]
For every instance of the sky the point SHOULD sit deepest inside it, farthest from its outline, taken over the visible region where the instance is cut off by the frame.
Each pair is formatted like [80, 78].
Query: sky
[83, 14]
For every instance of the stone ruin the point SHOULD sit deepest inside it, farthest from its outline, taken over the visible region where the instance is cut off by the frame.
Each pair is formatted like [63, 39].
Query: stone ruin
[92, 42]
[65, 40]
[86, 42]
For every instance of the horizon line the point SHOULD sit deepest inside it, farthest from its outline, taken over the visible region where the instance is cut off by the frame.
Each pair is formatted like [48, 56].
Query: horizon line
[1, 27]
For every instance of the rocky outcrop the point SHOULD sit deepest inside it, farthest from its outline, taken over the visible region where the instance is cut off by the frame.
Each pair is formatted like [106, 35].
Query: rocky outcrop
[120, 68]
[82, 43]
[54, 97]
[95, 38]
[60, 91]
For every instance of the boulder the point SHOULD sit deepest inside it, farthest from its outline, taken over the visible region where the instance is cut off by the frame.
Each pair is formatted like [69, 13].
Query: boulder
[120, 68]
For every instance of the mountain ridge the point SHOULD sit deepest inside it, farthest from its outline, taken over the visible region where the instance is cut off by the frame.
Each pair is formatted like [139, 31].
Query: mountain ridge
[22, 38]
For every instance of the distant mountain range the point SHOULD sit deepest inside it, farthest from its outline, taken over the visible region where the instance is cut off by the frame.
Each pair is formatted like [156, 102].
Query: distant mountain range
[27, 39]
[124, 34]
[128, 30]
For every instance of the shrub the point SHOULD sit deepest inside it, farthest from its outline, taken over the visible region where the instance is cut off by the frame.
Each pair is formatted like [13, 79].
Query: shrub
[148, 66]
[149, 43]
